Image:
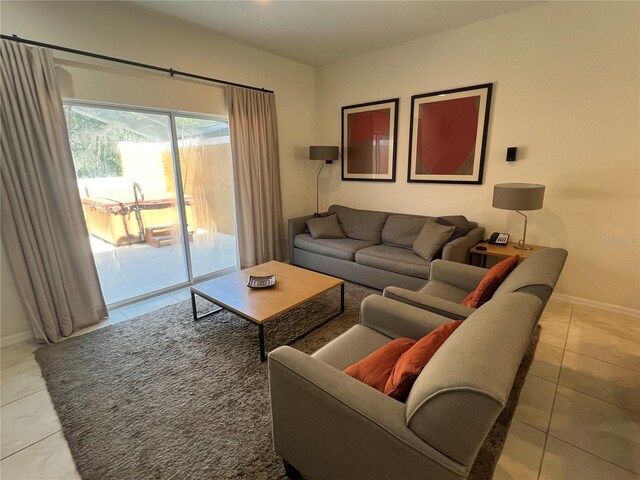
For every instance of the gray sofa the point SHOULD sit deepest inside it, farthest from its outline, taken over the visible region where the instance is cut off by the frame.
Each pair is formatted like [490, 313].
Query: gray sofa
[450, 282]
[377, 250]
[327, 424]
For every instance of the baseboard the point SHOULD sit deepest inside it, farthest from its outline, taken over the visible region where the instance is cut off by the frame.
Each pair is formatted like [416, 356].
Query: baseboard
[608, 307]
[16, 338]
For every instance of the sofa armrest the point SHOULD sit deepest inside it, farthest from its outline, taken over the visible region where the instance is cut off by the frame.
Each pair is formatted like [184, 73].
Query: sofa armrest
[395, 319]
[296, 226]
[434, 305]
[458, 250]
[463, 276]
[329, 425]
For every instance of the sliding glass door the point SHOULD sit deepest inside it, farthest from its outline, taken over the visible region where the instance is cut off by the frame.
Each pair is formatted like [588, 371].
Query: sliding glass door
[207, 183]
[157, 194]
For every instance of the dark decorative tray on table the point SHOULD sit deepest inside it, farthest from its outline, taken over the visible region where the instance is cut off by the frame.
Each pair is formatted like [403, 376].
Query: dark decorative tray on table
[261, 282]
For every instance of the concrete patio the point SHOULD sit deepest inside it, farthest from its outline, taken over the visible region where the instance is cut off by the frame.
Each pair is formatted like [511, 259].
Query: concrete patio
[129, 271]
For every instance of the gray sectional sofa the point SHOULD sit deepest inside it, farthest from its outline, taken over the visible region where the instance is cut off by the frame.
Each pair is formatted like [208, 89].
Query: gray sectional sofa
[377, 250]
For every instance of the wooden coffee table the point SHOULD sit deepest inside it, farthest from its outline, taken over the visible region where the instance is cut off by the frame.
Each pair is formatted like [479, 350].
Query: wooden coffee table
[294, 286]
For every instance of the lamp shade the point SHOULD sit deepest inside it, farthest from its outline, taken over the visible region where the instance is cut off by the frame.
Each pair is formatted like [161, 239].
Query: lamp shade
[323, 153]
[518, 196]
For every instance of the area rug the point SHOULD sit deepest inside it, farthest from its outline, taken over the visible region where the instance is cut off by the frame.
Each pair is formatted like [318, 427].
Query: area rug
[164, 397]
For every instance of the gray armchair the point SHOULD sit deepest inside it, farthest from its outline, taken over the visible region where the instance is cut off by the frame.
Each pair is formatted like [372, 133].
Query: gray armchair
[327, 424]
[450, 282]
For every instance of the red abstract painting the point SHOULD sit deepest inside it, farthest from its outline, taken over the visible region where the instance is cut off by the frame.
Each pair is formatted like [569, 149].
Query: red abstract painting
[369, 134]
[368, 146]
[447, 136]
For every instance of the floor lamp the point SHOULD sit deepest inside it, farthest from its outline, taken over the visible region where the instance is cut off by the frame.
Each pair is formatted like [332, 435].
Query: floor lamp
[519, 196]
[328, 154]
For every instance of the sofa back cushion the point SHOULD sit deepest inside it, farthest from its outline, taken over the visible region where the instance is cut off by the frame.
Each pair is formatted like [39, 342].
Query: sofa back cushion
[431, 239]
[360, 224]
[460, 222]
[456, 399]
[325, 227]
[402, 230]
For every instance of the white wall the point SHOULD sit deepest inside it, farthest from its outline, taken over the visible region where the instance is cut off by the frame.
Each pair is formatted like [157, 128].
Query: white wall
[119, 30]
[566, 91]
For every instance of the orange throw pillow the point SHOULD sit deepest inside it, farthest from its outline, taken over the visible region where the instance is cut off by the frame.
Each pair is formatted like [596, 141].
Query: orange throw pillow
[413, 361]
[490, 283]
[375, 368]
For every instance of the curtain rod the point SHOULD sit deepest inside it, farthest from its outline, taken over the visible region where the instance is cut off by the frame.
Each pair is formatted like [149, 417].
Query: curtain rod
[170, 71]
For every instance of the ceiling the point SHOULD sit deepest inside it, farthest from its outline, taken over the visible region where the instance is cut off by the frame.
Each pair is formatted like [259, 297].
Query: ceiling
[321, 32]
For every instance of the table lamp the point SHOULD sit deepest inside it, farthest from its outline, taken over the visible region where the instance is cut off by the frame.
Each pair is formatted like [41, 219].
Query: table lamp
[328, 154]
[519, 196]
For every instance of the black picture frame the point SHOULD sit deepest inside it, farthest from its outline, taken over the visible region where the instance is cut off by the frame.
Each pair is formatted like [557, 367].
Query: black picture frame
[443, 135]
[375, 126]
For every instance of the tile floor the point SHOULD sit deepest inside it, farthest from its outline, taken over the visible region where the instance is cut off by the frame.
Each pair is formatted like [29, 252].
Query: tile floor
[579, 411]
[578, 416]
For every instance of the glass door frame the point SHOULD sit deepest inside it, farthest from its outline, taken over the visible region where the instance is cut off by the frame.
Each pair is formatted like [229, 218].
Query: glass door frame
[177, 177]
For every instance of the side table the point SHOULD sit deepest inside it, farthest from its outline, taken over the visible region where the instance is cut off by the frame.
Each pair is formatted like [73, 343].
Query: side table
[500, 251]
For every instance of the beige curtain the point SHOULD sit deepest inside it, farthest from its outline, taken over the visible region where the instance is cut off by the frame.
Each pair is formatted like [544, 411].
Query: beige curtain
[43, 227]
[256, 162]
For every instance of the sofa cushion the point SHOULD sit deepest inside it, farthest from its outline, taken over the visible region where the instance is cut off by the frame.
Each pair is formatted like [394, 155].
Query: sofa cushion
[343, 248]
[460, 221]
[490, 283]
[402, 230]
[325, 227]
[353, 345]
[394, 259]
[375, 368]
[461, 224]
[411, 363]
[360, 224]
[431, 239]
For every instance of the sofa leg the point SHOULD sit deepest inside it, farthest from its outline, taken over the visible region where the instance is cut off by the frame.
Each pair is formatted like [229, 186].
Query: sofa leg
[291, 471]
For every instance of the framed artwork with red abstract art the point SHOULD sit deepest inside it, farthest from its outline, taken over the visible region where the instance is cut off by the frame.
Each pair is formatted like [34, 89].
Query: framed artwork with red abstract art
[448, 135]
[369, 134]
